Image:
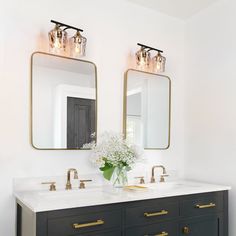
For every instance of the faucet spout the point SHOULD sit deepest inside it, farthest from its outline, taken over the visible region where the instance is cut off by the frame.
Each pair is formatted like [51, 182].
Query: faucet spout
[153, 180]
[68, 182]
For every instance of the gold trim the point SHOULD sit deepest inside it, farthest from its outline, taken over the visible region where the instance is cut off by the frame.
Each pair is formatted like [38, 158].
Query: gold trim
[31, 99]
[125, 105]
[160, 213]
[96, 223]
[211, 205]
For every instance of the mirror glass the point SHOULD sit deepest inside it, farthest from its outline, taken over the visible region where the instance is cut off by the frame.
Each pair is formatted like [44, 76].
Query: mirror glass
[147, 109]
[63, 102]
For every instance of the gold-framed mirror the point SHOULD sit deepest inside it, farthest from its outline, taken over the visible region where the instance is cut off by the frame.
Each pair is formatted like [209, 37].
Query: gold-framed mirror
[63, 102]
[147, 109]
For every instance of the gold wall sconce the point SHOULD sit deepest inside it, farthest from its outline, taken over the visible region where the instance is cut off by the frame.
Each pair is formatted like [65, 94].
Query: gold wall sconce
[59, 43]
[144, 61]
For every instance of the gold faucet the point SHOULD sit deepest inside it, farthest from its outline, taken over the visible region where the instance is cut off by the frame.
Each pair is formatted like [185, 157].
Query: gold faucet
[153, 180]
[68, 183]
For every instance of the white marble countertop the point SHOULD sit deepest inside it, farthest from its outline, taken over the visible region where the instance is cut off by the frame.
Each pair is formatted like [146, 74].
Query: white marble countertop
[43, 200]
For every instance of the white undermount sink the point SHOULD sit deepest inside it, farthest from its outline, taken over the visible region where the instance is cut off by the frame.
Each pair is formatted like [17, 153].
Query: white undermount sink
[165, 187]
[109, 193]
[77, 194]
[170, 186]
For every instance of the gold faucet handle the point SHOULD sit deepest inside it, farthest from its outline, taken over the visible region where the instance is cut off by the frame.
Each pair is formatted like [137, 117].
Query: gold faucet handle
[162, 179]
[82, 183]
[52, 185]
[142, 181]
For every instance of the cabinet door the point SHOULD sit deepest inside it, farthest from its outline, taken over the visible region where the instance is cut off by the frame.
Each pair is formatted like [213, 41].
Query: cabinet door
[203, 226]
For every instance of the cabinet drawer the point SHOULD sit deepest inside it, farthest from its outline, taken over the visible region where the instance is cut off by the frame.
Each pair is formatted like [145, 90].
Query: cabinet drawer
[161, 229]
[151, 211]
[202, 204]
[81, 224]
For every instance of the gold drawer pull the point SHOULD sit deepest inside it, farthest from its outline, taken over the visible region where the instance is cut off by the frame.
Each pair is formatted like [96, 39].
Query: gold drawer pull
[79, 226]
[211, 205]
[161, 234]
[161, 213]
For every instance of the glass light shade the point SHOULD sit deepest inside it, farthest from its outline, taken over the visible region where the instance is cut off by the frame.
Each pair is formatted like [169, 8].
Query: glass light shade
[159, 63]
[143, 58]
[57, 40]
[78, 45]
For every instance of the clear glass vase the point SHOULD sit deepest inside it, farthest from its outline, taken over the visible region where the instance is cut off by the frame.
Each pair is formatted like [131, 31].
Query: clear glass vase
[119, 177]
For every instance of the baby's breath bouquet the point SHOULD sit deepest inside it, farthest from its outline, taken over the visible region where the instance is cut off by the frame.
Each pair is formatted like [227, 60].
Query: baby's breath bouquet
[114, 157]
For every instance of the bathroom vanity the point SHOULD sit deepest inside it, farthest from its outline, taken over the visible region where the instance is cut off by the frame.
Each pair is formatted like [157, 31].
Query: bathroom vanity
[157, 209]
[163, 209]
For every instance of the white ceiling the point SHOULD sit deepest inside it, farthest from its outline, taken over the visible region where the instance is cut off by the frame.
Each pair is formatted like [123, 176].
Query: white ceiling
[178, 8]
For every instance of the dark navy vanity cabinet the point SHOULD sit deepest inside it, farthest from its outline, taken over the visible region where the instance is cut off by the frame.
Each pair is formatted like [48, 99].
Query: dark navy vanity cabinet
[203, 214]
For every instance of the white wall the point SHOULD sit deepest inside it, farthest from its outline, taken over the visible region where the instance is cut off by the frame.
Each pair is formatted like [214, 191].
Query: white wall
[113, 28]
[211, 98]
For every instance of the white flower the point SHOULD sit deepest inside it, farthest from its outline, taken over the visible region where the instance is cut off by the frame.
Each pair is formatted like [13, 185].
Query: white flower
[114, 151]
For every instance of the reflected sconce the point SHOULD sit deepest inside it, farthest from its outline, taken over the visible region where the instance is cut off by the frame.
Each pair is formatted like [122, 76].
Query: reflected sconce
[143, 58]
[58, 41]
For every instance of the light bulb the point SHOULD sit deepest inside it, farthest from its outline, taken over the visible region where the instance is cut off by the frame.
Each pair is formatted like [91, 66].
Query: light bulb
[57, 43]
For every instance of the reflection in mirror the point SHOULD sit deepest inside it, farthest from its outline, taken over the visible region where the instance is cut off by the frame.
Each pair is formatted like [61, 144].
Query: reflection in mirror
[63, 102]
[147, 109]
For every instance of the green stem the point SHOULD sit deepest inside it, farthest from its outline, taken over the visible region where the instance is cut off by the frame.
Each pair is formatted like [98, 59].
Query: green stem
[118, 175]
